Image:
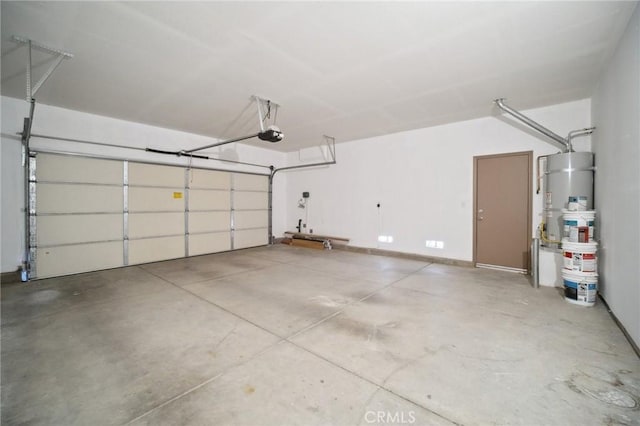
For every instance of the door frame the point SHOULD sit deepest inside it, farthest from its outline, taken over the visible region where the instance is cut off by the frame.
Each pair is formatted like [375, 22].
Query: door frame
[476, 158]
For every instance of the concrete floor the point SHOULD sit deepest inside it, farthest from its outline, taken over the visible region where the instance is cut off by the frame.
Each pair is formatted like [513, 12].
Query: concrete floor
[283, 335]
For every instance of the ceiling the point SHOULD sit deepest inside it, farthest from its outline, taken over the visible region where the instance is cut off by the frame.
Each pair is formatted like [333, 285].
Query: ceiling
[347, 70]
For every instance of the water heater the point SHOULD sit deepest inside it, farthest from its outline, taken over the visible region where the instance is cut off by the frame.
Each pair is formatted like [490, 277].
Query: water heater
[567, 174]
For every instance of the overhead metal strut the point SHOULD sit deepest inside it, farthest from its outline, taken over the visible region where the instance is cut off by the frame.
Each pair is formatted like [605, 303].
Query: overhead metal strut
[59, 55]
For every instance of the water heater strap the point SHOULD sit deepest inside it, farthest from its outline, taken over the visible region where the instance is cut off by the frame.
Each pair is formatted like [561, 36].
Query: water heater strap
[588, 169]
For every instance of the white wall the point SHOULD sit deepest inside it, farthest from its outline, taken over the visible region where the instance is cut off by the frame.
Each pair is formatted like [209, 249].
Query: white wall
[616, 143]
[53, 121]
[423, 180]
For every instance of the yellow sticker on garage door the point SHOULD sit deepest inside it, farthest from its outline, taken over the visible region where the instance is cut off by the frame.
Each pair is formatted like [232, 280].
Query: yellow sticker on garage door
[177, 195]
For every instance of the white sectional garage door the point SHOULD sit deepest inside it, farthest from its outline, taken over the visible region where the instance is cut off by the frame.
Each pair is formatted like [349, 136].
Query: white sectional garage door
[209, 218]
[250, 210]
[156, 207]
[93, 214]
[78, 226]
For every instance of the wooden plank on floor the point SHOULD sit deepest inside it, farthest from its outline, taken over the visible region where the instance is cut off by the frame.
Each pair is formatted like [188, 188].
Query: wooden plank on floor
[316, 237]
[306, 243]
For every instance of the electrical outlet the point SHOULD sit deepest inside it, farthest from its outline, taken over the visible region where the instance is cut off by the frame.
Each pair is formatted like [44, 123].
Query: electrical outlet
[434, 244]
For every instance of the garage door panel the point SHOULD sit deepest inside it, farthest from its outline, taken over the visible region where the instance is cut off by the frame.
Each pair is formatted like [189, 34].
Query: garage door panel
[209, 221]
[64, 198]
[155, 199]
[209, 200]
[250, 200]
[70, 229]
[81, 223]
[64, 260]
[155, 224]
[250, 238]
[251, 219]
[155, 175]
[209, 179]
[60, 168]
[250, 182]
[209, 243]
[155, 249]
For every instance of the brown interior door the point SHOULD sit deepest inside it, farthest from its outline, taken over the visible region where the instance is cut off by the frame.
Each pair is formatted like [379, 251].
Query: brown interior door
[503, 210]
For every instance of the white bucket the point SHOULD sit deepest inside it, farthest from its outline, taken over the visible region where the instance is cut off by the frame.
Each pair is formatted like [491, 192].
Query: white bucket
[580, 288]
[580, 257]
[577, 203]
[579, 226]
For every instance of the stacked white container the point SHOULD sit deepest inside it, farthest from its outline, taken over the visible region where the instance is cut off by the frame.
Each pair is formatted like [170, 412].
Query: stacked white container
[579, 252]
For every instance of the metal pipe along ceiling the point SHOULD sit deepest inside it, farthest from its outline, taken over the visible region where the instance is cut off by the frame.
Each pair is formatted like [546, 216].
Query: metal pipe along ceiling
[564, 143]
[581, 132]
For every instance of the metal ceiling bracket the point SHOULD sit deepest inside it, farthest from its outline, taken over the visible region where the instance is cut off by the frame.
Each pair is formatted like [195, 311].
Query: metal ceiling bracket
[260, 116]
[59, 56]
[331, 146]
[268, 104]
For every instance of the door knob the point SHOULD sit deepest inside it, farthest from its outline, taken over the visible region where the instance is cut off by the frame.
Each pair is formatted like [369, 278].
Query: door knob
[480, 212]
